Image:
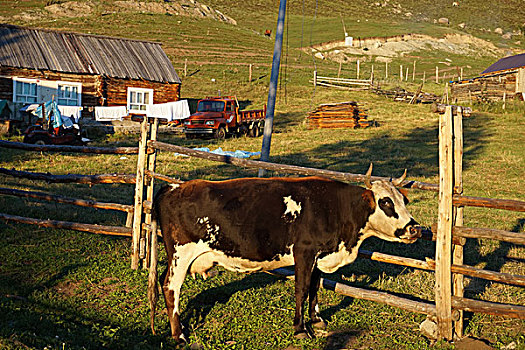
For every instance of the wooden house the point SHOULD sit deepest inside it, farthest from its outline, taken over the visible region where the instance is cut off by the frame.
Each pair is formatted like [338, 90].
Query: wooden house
[37, 65]
[503, 80]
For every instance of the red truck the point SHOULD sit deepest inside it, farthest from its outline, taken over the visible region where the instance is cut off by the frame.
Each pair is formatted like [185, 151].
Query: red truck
[220, 116]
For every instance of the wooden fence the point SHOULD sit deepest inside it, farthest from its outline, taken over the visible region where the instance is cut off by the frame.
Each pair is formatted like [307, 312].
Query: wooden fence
[70, 178]
[449, 234]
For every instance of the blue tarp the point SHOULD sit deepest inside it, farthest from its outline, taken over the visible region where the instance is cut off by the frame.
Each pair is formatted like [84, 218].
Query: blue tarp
[236, 154]
[52, 111]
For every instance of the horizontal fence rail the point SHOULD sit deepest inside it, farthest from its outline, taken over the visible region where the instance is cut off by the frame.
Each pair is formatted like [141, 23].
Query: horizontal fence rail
[65, 148]
[92, 228]
[421, 307]
[256, 164]
[71, 178]
[60, 199]
[480, 202]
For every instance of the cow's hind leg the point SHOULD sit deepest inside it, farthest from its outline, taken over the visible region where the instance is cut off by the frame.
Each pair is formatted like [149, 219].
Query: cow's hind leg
[304, 263]
[315, 282]
[177, 268]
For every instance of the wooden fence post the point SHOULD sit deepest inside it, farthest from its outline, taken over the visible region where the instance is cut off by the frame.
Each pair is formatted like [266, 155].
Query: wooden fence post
[437, 75]
[358, 68]
[250, 74]
[152, 157]
[315, 78]
[401, 72]
[457, 258]
[414, 72]
[444, 231]
[339, 71]
[139, 192]
[386, 70]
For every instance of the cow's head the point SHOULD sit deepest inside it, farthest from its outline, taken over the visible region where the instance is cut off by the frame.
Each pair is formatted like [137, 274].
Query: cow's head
[390, 219]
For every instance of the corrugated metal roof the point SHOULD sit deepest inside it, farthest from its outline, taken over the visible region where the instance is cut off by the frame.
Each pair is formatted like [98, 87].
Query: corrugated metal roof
[511, 62]
[85, 54]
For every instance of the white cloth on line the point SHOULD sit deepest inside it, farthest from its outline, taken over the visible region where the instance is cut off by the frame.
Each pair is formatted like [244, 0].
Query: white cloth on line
[105, 114]
[70, 111]
[170, 110]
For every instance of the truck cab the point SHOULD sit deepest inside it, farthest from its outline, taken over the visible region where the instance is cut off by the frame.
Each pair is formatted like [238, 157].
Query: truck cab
[219, 116]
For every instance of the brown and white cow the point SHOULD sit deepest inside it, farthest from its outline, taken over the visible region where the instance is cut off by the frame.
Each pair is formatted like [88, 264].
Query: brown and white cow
[256, 224]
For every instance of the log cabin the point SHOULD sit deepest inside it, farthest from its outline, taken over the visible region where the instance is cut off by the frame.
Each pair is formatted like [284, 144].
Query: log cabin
[84, 70]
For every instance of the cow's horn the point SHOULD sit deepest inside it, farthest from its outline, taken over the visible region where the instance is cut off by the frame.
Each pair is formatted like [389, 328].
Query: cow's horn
[367, 178]
[399, 180]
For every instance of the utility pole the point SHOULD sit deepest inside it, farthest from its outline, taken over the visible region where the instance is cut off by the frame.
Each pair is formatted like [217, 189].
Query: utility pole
[274, 78]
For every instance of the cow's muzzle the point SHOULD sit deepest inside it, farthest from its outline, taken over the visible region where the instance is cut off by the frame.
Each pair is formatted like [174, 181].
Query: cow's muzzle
[410, 233]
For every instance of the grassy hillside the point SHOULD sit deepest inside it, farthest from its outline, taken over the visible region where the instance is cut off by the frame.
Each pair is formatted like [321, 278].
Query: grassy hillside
[62, 289]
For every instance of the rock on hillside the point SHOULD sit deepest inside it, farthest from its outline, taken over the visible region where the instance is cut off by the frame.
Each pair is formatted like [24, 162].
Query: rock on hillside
[189, 8]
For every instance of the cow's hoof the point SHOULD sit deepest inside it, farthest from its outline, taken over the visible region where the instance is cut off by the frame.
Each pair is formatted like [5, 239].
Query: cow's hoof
[321, 324]
[301, 335]
[181, 339]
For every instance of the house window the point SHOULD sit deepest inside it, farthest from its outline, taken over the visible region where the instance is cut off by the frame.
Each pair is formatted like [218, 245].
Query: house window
[139, 99]
[69, 94]
[25, 91]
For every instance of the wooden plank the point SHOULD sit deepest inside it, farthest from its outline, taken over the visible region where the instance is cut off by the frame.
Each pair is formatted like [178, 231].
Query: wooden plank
[99, 229]
[71, 178]
[150, 181]
[256, 164]
[430, 265]
[443, 289]
[501, 235]
[64, 148]
[421, 307]
[487, 307]
[139, 192]
[480, 202]
[66, 200]
[457, 253]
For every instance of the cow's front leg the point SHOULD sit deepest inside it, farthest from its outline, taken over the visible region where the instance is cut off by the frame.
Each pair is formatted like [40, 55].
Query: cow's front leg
[304, 263]
[177, 268]
[317, 321]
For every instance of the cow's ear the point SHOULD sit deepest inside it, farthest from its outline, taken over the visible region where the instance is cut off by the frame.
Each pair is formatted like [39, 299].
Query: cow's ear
[368, 197]
[404, 192]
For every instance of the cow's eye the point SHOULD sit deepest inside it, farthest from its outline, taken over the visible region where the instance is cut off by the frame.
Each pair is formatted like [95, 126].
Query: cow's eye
[387, 206]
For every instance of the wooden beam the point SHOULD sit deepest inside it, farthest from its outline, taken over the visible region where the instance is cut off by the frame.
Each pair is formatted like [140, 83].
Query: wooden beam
[444, 231]
[163, 177]
[256, 164]
[457, 250]
[65, 148]
[372, 295]
[501, 235]
[71, 178]
[65, 200]
[491, 308]
[139, 193]
[480, 202]
[100, 229]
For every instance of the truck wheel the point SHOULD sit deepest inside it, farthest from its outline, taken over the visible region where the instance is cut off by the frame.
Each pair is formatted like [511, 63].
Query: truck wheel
[254, 131]
[220, 133]
[243, 130]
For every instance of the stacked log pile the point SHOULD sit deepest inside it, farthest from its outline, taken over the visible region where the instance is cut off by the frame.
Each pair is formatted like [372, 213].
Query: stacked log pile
[339, 115]
[402, 95]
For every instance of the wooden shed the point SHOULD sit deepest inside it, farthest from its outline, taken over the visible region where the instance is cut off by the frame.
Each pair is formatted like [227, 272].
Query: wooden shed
[83, 70]
[502, 80]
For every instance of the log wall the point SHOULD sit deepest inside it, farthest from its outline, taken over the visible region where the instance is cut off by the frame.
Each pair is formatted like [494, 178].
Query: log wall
[116, 90]
[484, 89]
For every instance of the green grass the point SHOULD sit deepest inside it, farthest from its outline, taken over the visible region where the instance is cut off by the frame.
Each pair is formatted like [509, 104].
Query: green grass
[69, 290]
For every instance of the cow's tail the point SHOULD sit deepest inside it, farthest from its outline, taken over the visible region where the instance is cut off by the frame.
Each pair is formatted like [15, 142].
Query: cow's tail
[153, 292]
